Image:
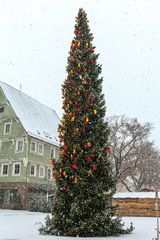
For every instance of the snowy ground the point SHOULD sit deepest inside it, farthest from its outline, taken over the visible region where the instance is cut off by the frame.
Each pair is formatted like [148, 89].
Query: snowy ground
[23, 225]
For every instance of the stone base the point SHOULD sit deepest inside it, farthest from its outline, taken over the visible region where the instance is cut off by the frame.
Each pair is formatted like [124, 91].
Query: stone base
[17, 195]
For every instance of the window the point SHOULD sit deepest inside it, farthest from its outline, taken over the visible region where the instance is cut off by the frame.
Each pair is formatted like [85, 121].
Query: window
[16, 169]
[19, 145]
[7, 128]
[53, 153]
[40, 149]
[33, 170]
[41, 172]
[12, 196]
[4, 169]
[33, 147]
[1, 109]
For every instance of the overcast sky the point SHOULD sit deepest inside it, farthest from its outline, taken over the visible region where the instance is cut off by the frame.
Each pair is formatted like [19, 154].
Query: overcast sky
[35, 38]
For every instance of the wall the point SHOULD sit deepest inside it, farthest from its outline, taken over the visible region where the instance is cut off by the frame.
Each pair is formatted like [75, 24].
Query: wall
[141, 207]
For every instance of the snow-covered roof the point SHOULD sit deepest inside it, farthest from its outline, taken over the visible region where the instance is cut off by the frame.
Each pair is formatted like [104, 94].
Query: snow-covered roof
[38, 120]
[135, 195]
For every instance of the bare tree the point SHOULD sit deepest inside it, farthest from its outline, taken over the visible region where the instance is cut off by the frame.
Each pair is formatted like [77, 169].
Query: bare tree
[132, 154]
[145, 170]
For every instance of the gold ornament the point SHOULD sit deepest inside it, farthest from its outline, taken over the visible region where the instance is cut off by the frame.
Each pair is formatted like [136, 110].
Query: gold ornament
[95, 111]
[78, 44]
[75, 180]
[74, 151]
[63, 120]
[60, 170]
[72, 119]
[79, 65]
[87, 44]
[87, 119]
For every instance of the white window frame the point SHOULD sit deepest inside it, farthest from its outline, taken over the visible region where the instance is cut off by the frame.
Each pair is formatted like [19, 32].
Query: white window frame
[2, 165]
[35, 147]
[42, 167]
[54, 152]
[35, 170]
[19, 140]
[7, 123]
[13, 170]
[41, 144]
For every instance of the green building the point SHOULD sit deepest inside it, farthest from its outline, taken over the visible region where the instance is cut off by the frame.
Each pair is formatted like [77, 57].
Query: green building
[28, 140]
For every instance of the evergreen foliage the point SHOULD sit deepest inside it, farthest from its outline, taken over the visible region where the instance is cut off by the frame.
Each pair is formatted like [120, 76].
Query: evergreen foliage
[85, 185]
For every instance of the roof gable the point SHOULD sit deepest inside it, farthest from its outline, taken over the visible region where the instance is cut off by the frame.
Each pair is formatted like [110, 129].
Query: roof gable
[38, 120]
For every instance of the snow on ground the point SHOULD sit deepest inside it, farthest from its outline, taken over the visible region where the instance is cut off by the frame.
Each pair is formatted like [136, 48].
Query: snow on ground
[135, 195]
[23, 225]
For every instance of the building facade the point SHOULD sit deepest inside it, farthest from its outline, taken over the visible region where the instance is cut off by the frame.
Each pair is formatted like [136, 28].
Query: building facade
[28, 140]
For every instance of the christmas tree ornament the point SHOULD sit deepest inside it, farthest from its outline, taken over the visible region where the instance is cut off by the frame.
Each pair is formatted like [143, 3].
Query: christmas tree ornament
[95, 111]
[65, 147]
[75, 180]
[84, 69]
[72, 119]
[74, 166]
[108, 149]
[63, 120]
[94, 168]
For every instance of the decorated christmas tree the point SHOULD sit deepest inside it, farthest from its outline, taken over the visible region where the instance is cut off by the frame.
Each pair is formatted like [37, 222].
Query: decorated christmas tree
[85, 185]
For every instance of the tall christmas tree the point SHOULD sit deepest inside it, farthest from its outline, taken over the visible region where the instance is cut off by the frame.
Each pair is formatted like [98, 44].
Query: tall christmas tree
[85, 185]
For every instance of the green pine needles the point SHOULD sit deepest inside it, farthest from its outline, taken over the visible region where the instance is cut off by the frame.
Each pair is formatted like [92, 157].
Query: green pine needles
[85, 185]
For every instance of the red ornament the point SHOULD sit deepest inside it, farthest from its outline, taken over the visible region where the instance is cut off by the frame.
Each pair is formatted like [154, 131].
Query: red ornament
[92, 50]
[74, 72]
[85, 50]
[65, 147]
[84, 69]
[78, 109]
[93, 155]
[74, 166]
[64, 188]
[94, 168]
[88, 158]
[54, 175]
[108, 149]
[64, 153]
[74, 59]
[92, 61]
[76, 103]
